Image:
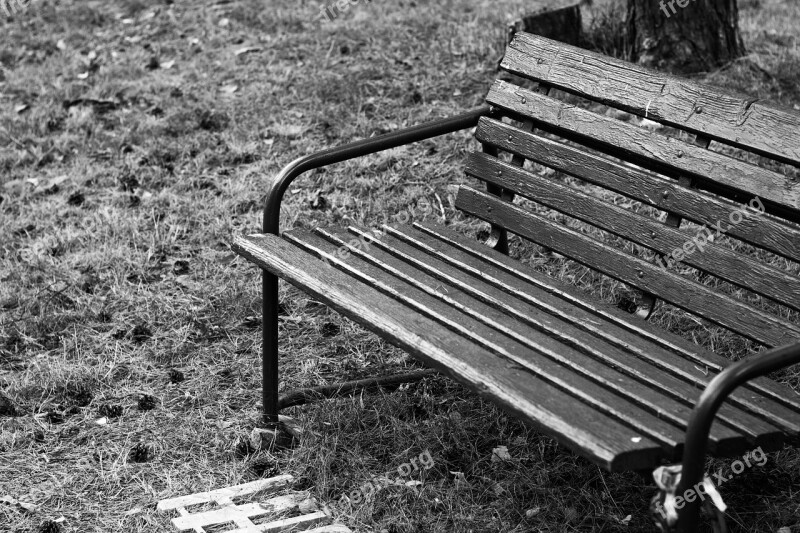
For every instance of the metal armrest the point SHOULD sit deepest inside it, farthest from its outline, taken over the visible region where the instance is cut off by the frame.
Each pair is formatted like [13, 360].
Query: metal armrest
[280, 183]
[703, 416]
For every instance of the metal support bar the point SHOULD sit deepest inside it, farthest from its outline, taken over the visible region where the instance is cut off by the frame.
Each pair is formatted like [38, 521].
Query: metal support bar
[271, 224]
[303, 396]
[702, 417]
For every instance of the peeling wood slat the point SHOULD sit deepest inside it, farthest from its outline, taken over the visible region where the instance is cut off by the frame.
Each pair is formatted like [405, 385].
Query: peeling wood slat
[686, 294]
[646, 148]
[736, 119]
[733, 267]
[767, 232]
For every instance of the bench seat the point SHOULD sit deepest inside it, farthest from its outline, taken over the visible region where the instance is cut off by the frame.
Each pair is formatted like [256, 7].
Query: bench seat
[606, 384]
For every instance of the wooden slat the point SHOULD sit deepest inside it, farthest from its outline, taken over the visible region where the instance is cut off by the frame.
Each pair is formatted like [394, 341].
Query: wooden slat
[532, 358]
[228, 493]
[670, 352]
[548, 311]
[766, 231]
[286, 524]
[602, 369]
[735, 119]
[679, 291]
[549, 335]
[722, 262]
[646, 148]
[587, 432]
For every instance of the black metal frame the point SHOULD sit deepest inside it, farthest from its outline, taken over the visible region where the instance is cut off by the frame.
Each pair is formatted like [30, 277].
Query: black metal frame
[271, 224]
[703, 414]
[694, 454]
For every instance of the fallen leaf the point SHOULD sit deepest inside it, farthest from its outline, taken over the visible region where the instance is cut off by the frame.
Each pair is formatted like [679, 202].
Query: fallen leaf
[224, 23]
[229, 89]
[61, 45]
[21, 108]
[83, 75]
[168, 64]
[500, 454]
[101, 421]
[530, 513]
[288, 130]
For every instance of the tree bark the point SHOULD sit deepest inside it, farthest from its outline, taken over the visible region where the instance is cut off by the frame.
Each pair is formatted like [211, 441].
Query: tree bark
[684, 35]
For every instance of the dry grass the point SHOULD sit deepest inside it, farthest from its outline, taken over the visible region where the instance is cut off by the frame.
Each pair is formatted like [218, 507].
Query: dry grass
[122, 183]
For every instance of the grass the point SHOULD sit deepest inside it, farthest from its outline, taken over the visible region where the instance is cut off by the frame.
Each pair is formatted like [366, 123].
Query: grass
[135, 142]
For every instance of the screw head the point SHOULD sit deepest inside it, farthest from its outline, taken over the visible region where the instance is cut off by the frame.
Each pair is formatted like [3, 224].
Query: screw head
[698, 110]
[680, 153]
[653, 235]
[524, 100]
[665, 195]
[641, 274]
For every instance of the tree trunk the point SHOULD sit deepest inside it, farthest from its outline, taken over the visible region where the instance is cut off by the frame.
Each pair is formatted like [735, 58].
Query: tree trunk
[684, 35]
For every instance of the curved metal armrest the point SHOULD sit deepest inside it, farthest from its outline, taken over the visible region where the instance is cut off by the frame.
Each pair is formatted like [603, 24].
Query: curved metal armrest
[703, 416]
[355, 149]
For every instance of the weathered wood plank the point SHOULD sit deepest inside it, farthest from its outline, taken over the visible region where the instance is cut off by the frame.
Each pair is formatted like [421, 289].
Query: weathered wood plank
[684, 293]
[646, 148]
[553, 337]
[736, 119]
[668, 351]
[605, 369]
[767, 232]
[534, 304]
[587, 432]
[700, 253]
[537, 357]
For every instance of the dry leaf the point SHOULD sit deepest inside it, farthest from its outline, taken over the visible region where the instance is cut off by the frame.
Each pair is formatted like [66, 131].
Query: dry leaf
[21, 108]
[500, 454]
[229, 89]
[290, 131]
[168, 64]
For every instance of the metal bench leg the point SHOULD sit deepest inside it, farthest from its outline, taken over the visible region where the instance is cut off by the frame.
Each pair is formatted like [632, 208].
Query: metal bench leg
[269, 347]
[694, 453]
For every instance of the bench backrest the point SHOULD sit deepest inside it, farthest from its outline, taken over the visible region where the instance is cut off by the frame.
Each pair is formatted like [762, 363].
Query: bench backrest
[701, 157]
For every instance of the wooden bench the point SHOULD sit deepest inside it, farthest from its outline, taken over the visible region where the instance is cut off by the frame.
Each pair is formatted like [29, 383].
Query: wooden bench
[605, 383]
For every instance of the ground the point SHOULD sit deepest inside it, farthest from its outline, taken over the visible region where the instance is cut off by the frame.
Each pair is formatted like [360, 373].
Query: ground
[136, 138]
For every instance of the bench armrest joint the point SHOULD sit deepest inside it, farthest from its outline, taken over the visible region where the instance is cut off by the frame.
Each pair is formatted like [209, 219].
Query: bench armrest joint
[281, 181]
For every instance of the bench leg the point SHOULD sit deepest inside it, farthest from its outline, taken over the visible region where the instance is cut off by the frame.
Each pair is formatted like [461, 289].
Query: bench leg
[694, 452]
[269, 347]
